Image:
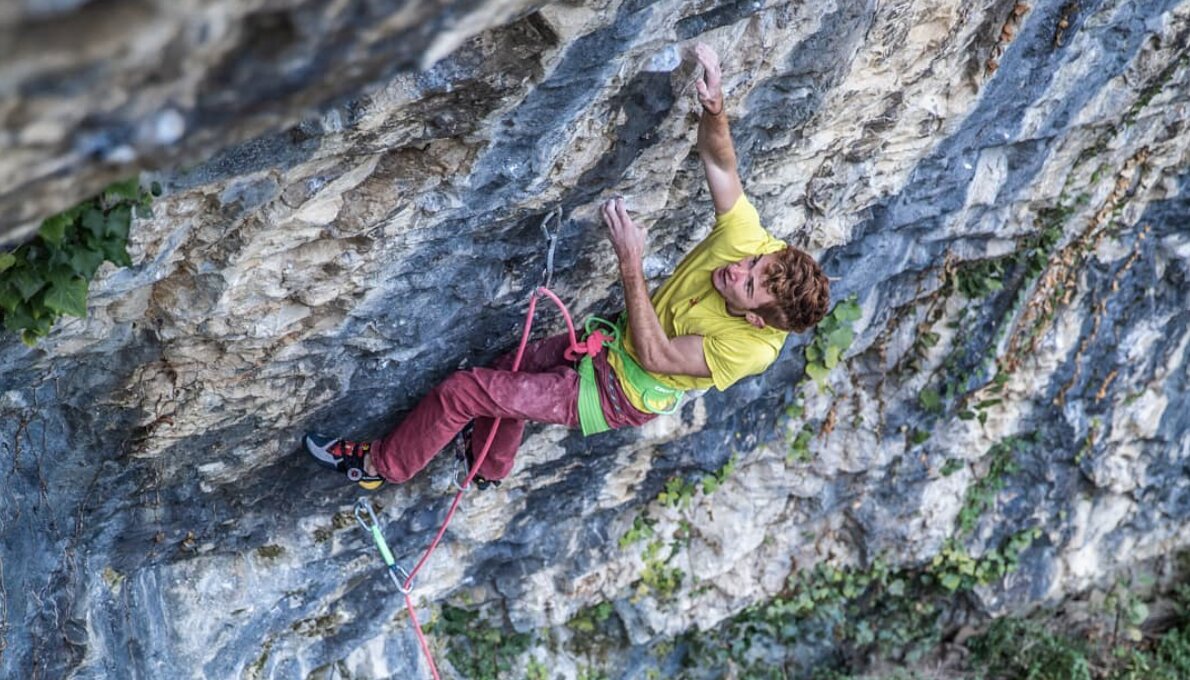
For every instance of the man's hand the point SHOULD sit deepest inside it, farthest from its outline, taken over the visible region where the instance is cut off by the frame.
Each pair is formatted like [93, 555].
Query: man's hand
[710, 86]
[628, 239]
[714, 139]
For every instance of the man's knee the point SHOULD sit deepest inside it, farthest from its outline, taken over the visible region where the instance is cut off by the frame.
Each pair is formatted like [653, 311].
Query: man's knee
[455, 385]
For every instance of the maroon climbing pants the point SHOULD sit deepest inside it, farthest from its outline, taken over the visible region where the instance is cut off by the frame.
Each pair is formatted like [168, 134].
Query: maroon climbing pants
[545, 390]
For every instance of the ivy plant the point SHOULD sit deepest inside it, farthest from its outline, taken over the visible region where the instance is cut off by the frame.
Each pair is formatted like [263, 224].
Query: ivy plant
[980, 495]
[479, 649]
[658, 577]
[49, 276]
[678, 492]
[642, 528]
[832, 337]
[712, 482]
[799, 445]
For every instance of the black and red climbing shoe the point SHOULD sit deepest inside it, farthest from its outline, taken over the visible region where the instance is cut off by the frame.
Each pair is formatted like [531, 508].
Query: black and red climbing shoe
[343, 455]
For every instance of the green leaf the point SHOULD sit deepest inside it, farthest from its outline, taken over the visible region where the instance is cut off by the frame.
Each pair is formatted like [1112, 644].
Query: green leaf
[841, 338]
[1138, 612]
[26, 282]
[930, 339]
[114, 250]
[53, 229]
[848, 310]
[832, 357]
[7, 260]
[818, 372]
[129, 189]
[18, 319]
[951, 581]
[9, 298]
[84, 262]
[930, 400]
[813, 354]
[94, 221]
[59, 274]
[952, 466]
[118, 221]
[69, 297]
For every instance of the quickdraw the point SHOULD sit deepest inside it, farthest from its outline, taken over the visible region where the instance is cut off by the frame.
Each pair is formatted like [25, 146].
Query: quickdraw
[396, 573]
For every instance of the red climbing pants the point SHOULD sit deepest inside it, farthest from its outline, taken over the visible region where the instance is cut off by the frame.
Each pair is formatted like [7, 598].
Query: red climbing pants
[545, 390]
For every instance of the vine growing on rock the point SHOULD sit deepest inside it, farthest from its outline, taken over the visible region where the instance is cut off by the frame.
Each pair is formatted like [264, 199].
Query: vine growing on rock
[877, 609]
[478, 649]
[658, 577]
[832, 337]
[49, 277]
[975, 282]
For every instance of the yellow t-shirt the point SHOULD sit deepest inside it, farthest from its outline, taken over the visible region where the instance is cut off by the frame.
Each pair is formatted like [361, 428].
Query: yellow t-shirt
[688, 304]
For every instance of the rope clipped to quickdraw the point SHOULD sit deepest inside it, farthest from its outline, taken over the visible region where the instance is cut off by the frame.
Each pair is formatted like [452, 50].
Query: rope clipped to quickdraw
[404, 579]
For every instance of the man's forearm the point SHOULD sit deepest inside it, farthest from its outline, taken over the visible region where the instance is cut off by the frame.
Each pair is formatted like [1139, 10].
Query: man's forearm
[648, 338]
[714, 141]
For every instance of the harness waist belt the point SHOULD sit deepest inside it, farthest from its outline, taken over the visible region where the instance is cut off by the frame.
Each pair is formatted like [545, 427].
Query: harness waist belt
[658, 397]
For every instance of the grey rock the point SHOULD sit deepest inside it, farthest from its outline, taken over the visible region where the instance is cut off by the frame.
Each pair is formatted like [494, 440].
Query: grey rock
[352, 207]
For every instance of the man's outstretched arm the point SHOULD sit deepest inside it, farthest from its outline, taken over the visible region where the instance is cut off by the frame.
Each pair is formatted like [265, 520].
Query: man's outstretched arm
[714, 137]
[655, 351]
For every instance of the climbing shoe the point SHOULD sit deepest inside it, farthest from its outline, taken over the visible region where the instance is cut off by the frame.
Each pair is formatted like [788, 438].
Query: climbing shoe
[343, 455]
[463, 462]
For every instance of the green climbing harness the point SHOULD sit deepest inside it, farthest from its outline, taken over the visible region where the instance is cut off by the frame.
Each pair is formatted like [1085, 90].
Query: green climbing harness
[658, 397]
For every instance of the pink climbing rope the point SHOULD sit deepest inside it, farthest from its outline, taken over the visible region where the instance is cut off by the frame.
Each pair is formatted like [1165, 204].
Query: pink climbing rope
[576, 348]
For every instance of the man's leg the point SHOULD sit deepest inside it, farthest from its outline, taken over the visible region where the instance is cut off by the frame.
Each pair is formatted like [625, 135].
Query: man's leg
[549, 397]
[543, 356]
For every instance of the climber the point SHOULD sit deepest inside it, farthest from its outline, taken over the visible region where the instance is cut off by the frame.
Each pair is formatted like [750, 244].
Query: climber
[723, 315]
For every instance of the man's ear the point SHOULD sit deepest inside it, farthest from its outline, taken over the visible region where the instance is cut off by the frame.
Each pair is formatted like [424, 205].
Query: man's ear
[754, 319]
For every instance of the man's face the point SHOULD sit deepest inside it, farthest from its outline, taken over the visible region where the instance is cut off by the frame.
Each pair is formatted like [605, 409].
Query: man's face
[742, 286]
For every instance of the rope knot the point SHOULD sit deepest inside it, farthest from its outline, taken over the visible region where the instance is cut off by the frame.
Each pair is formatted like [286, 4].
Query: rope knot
[590, 346]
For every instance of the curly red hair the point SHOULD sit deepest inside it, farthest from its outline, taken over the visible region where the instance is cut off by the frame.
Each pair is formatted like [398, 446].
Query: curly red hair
[802, 290]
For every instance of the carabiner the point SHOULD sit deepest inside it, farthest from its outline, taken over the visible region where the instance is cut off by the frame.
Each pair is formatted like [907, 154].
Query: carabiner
[551, 241]
[400, 580]
[460, 467]
[363, 505]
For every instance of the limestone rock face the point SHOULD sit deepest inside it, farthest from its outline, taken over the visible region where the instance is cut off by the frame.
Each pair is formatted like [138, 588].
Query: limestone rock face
[353, 194]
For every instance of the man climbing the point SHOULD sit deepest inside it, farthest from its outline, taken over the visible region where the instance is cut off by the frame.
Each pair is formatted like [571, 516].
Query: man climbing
[723, 315]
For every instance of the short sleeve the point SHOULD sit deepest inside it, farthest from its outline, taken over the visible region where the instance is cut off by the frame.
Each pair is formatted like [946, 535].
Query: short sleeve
[742, 217]
[737, 233]
[734, 356]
